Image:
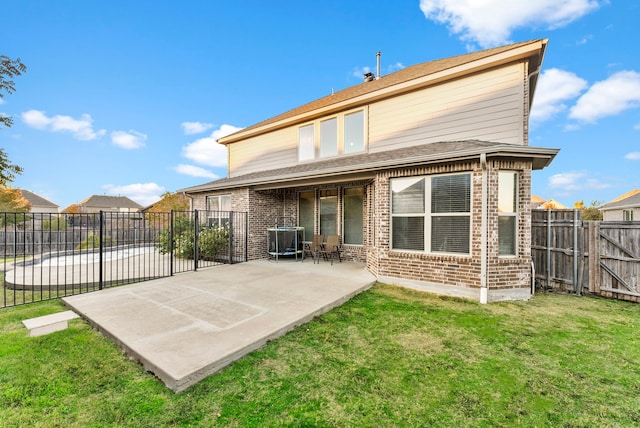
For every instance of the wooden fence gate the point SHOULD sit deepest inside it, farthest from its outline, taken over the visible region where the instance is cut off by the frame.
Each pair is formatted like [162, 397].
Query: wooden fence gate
[601, 258]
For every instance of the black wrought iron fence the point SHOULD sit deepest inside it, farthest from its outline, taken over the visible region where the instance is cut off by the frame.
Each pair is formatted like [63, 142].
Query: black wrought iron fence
[47, 256]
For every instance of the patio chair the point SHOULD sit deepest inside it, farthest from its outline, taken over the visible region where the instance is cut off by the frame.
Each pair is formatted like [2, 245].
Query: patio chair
[313, 248]
[332, 248]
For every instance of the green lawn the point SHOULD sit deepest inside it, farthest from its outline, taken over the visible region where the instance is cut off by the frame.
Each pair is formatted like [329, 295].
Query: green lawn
[389, 357]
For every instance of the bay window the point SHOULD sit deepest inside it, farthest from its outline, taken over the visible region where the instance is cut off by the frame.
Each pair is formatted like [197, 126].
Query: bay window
[431, 214]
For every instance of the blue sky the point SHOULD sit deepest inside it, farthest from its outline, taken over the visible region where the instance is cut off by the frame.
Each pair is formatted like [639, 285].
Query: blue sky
[128, 97]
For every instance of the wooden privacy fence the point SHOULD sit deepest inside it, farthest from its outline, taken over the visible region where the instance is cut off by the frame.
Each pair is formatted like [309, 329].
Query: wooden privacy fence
[596, 257]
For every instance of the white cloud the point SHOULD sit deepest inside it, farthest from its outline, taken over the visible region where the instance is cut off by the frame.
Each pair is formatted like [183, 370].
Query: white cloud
[206, 151]
[637, 127]
[576, 180]
[195, 171]
[609, 97]
[2, 101]
[81, 129]
[143, 193]
[491, 22]
[191, 128]
[128, 140]
[554, 87]
[633, 156]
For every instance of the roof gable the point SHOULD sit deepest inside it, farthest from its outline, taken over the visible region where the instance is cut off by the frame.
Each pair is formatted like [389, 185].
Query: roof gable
[402, 81]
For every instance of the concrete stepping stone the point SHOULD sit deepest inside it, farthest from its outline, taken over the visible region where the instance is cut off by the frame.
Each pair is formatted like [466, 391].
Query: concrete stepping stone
[49, 323]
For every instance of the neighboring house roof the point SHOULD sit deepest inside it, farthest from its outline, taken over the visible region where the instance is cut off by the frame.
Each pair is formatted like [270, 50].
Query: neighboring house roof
[628, 200]
[364, 165]
[552, 204]
[109, 202]
[37, 201]
[405, 80]
[536, 201]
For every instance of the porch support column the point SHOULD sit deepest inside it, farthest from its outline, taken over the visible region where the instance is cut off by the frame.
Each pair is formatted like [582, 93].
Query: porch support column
[484, 286]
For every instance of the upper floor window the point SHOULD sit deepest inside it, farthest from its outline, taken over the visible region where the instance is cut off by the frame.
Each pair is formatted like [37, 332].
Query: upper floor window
[627, 215]
[431, 214]
[507, 212]
[329, 137]
[354, 132]
[306, 143]
[342, 134]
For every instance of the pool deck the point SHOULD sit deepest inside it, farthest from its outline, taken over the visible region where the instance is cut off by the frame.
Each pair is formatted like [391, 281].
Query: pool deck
[186, 327]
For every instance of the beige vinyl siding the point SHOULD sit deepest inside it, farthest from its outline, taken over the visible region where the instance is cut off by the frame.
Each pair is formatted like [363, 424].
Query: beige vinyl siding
[488, 106]
[276, 149]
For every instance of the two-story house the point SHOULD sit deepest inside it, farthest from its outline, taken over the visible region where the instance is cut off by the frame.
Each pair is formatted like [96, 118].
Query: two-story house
[424, 173]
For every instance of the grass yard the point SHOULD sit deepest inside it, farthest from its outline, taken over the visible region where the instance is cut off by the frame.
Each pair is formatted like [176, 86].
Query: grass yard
[389, 357]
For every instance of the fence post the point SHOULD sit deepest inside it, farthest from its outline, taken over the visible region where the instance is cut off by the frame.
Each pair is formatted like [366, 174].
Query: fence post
[231, 237]
[576, 283]
[548, 267]
[196, 252]
[171, 243]
[100, 236]
[594, 257]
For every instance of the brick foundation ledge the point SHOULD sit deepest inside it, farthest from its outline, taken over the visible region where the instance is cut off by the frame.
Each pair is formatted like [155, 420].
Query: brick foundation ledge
[471, 293]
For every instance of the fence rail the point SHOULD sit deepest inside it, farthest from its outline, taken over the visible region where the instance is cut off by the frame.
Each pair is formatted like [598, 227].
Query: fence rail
[47, 256]
[596, 257]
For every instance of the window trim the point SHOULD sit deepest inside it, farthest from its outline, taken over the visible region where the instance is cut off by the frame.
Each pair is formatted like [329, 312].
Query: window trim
[343, 224]
[215, 217]
[515, 214]
[340, 135]
[428, 215]
[627, 215]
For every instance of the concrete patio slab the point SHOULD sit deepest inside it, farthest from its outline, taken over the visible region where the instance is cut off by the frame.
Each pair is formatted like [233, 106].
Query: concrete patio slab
[186, 327]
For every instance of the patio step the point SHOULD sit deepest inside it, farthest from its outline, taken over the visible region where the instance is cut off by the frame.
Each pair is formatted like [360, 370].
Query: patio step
[49, 323]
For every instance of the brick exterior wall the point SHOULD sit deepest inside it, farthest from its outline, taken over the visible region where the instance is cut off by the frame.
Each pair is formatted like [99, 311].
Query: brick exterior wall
[267, 207]
[463, 270]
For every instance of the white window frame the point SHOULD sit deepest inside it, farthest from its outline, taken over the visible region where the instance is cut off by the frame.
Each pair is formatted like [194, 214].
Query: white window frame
[344, 212]
[508, 214]
[627, 215]
[216, 217]
[428, 216]
[306, 148]
[305, 153]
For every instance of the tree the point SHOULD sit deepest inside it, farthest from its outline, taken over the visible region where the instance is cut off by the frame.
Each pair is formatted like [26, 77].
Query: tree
[9, 68]
[590, 212]
[157, 214]
[171, 201]
[72, 209]
[13, 206]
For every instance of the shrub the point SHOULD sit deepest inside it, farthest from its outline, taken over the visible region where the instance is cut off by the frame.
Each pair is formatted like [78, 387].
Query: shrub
[93, 241]
[211, 242]
[56, 223]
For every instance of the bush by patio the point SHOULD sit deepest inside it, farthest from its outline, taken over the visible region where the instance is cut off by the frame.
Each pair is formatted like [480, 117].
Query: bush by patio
[211, 242]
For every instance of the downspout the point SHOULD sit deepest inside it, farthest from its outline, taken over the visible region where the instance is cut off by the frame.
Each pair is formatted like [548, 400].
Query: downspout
[190, 200]
[484, 289]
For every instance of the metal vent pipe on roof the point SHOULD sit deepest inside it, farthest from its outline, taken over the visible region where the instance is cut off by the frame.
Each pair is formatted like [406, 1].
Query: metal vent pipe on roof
[378, 54]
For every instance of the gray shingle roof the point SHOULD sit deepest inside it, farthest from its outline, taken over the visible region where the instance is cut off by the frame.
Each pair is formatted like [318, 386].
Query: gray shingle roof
[344, 166]
[36, 200]
[631, 201]
[104, 201]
